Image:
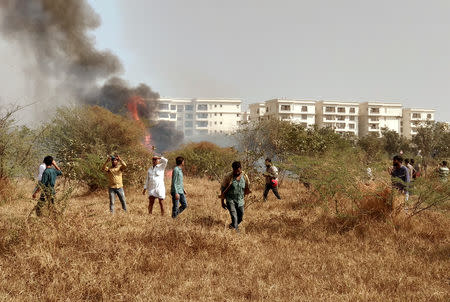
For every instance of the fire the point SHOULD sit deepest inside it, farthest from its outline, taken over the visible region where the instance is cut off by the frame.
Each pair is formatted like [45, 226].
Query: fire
[132, 107]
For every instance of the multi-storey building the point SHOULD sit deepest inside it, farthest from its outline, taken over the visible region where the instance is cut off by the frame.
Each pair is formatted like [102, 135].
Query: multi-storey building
[413, 118]
[341, 116]
[200, 116]
[374, 116]
[297, 111]
[257, 111]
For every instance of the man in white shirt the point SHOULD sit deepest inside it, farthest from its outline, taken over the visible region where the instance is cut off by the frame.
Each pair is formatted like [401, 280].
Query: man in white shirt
[154, 183]
[41, 170]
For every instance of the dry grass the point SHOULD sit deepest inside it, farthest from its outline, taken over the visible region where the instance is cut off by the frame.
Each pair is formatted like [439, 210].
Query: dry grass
[288, 250]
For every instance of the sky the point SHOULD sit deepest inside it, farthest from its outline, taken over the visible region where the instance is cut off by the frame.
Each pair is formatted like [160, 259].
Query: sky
[256, 50]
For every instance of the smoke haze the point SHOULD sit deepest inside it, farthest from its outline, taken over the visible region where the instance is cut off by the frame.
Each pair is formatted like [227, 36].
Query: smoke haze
[58, 60]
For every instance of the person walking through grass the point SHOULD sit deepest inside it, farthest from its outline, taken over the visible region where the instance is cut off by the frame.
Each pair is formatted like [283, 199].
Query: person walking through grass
[234, 187]
[115, 185]
[271, 176]
[41, 170]
[177, 188]
[47, 184]
[154, 183]
[399, 176]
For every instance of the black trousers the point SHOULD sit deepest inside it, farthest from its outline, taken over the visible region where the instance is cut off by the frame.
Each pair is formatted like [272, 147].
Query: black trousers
[274, 189]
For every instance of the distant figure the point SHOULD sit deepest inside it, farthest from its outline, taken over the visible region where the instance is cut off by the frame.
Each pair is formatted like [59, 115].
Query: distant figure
[234, 187]
[154, 183]
[416, 166]
[399, 175]
[443, 171]
[410, 168]
[41, 170]
[271, 175]
[369, 174]
[47, 184]
[115, 186]
[177, 188]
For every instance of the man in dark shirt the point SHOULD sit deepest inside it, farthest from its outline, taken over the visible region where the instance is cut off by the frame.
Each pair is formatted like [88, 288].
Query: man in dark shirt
[47, 184]
[399, 175]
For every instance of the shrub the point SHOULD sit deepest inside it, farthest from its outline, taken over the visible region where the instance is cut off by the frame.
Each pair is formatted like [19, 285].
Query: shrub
[81, 138]
[205, 159]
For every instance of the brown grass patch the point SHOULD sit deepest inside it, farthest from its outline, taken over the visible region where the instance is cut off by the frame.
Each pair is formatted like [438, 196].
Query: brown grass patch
[287, 250]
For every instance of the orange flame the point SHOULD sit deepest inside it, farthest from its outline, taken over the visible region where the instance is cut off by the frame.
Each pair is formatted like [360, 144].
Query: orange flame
[132, 107]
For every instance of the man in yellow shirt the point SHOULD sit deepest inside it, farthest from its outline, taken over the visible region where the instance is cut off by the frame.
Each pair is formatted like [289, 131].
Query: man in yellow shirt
[115, 181]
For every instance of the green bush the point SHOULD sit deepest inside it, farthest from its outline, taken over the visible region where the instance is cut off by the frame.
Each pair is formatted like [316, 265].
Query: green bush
[205, 159]
[81, 138]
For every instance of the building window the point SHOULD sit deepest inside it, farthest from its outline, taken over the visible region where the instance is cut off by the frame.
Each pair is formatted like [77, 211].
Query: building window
[163, 106]
[202, 107]
[173, 115]
[373, 126]
[351, 118]
[220, 105]
[340, 118]
[163, 114]
[215, 105]
[188, 124]
[304, 116]
[215, 114]
[173, 107]
[180, 108]
[374, 119]
[215, 123]
[304, 108]
[220, 114]
[375, 110]
[429, 115]
[189, 116]
[352, 110]
[237, 106]
[416, 115]
[257, 111]
[285, 107]
[330, 109]
[341, 109]
[189, 107]
[238, 115]
[329, 117]
[340, 125]
[202, 124]
[267, 109]
[221, 123]
[202, 115]
[351, 126]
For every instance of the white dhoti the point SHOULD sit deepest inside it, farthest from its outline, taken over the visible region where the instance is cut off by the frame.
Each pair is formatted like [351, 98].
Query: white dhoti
[154, 183]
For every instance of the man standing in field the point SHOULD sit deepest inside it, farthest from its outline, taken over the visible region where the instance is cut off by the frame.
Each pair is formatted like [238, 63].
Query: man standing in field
[271, 176]
[47, 183]
[234, 187]
[399, 175]
[115, 185]
[177, 188]
[155, 183]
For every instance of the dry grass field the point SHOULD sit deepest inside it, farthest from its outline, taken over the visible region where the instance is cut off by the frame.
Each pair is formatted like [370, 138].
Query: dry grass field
[288, 250]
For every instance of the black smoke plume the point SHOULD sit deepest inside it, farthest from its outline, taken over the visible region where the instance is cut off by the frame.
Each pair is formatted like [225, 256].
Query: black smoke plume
[56, 32]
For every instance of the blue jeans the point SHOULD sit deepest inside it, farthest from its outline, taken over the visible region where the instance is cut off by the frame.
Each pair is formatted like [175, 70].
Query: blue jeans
[175, 209]
[112, 196]
[236, 213]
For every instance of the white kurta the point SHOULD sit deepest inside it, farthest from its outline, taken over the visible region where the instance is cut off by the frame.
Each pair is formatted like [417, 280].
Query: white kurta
[154, 183]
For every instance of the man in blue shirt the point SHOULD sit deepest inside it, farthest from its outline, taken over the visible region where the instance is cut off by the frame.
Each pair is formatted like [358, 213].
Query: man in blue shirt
[47, 184]
[177, 188]
[400, 175]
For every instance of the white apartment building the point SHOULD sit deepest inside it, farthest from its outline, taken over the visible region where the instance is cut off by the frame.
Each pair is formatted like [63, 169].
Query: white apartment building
[341, 116]
[257, 111]
[200, 116]
[374, 116]
[414, 117]
[297, 111]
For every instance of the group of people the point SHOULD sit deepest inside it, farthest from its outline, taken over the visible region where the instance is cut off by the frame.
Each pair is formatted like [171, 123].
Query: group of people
[403, 175]
[234, 187]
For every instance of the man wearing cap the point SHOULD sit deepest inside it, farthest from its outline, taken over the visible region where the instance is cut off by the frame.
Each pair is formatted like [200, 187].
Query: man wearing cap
[155, 183]
[271, 175]
[115, 181]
